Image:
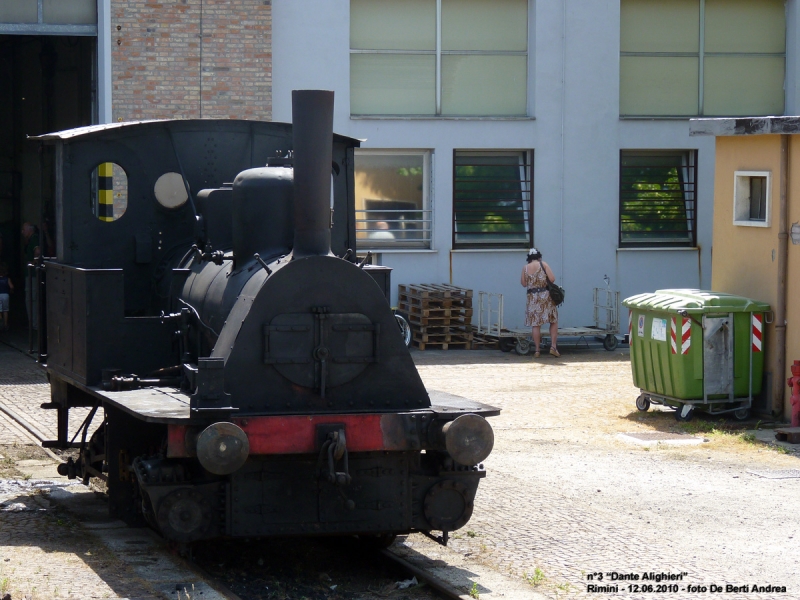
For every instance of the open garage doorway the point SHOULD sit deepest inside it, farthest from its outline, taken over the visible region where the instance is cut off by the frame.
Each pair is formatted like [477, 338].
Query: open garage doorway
[48, 84]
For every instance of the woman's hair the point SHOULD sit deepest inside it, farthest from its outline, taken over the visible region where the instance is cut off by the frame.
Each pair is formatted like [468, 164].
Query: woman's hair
[534, 254]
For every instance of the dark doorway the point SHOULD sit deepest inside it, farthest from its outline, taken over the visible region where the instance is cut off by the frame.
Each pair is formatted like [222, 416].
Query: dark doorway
[48, 85]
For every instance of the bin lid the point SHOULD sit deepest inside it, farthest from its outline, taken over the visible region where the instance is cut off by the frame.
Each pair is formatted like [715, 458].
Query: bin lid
[694, 301]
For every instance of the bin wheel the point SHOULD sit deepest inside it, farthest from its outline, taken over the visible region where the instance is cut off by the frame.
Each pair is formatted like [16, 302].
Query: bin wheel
[610, 342]
[741, 414]
[522, 347]
[507, 344]
[684, 413]
[643, 403]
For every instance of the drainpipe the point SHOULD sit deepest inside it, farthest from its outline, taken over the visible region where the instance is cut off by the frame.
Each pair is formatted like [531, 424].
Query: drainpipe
[780, 305]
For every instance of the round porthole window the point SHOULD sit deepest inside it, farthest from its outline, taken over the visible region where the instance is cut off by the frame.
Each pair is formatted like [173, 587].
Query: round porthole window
[170, 190]
[109, 191]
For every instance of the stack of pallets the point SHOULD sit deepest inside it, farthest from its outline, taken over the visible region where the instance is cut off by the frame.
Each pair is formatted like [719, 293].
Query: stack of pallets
[440, 315]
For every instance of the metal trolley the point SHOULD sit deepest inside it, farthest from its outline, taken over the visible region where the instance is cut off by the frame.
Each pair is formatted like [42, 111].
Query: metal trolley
[605, 328]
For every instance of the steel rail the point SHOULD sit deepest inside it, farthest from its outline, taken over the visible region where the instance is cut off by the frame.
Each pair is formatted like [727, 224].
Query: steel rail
[437, 584]
[36, 435]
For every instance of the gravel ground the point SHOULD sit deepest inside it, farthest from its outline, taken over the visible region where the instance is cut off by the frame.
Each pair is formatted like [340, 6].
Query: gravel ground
[566, 496]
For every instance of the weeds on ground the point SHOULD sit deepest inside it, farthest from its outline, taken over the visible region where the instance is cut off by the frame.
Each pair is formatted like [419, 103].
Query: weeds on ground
[534, 578]
[564, 587]
[473, 591]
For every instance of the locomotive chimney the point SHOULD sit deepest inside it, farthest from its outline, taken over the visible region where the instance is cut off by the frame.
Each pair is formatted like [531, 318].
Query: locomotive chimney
[312, 133]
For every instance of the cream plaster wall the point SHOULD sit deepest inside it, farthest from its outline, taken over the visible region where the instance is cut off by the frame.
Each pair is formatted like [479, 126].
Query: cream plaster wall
[745, 259]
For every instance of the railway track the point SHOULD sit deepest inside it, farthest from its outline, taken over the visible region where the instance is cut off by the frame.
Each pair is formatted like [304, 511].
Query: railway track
[289, 568]
[313, 568]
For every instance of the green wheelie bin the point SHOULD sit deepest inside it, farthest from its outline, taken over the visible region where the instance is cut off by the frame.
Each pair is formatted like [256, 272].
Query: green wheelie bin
[697, 350]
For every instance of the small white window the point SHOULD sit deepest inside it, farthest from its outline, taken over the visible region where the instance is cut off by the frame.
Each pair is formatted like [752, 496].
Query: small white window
[751, 198]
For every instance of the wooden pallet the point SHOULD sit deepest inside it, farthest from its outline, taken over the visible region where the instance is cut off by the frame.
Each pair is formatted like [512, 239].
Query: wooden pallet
[420, 304]
[443, 334]
[442, 345]
[426, 309]
[435, 291]
[440, 315]
[454, 321]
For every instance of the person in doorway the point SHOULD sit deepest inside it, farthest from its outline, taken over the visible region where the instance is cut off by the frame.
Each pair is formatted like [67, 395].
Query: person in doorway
[31, 251]
[540, 308]
[6, 287]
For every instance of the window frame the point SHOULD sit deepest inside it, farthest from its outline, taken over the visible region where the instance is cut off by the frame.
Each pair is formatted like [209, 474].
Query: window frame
[742, 199]
[427, 204]
[438, 53]
[526, 181]
[691, 183]
[701, 54]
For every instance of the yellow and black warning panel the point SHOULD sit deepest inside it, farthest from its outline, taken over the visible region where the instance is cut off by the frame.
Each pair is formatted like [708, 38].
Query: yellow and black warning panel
[105, 191]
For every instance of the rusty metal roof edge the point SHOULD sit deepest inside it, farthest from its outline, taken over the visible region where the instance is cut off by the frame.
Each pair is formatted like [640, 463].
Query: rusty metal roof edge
[68, 134]
[730, 126]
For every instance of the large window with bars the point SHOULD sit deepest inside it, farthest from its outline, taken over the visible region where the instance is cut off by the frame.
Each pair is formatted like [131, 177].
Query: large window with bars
[438, 57]
[492, 199]
[392, 206]
[658, 198]
[683, 58]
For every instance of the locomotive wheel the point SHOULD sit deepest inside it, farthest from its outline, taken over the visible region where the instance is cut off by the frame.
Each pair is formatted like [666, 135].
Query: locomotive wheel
[610, 342]
[94, 455]
[741, 414]
[405, 329]
[522, 347]
[643, 403]
[184, 516]
[506, 344]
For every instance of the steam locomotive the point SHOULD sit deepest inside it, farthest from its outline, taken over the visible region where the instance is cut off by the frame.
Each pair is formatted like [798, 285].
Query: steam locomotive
[243, 369]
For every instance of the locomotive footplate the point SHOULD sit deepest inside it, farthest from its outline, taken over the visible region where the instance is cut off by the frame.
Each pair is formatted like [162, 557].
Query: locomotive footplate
[168, 405]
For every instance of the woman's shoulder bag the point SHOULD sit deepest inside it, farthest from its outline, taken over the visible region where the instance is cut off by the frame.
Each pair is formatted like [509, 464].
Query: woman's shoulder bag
[556, 291]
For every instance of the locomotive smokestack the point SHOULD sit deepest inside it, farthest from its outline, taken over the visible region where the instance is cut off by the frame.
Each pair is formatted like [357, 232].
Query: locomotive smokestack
[312, 132]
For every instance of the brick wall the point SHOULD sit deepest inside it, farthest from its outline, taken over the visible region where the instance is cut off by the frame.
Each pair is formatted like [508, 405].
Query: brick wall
[191, 59]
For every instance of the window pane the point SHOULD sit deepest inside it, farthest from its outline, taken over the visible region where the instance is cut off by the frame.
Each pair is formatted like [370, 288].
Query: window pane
[492, 199]
[745, 26]
[481, 25]
[484, 85]
[657, 198]
[651, 85]
[666, 26]
[390, 200]
[389, 84]
[70, 12]
[19, 11]
[392, 25]
[758, 198]
[743, 85]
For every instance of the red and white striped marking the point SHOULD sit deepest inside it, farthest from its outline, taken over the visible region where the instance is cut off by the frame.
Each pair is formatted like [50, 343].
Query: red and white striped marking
[686, 335]
[672, 336]
[758, 328]
[630, 324]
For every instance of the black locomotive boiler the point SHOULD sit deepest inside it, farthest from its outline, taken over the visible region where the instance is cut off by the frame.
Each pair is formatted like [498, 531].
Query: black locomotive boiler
[245, 369]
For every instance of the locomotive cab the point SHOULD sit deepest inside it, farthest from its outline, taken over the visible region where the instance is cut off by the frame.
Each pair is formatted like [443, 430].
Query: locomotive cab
[247, 374]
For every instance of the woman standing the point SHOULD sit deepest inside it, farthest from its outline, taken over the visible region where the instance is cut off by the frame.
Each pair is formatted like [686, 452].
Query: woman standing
[540, 308]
